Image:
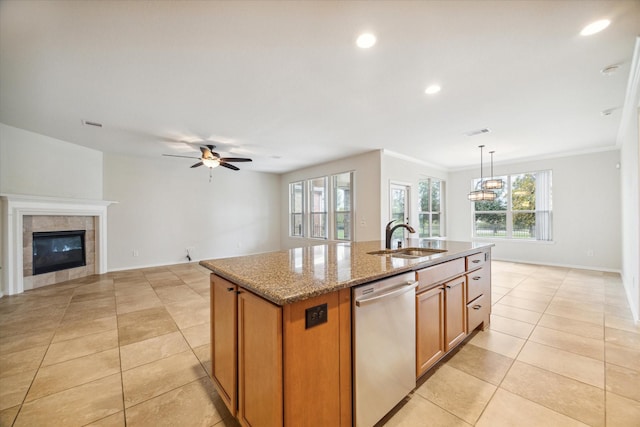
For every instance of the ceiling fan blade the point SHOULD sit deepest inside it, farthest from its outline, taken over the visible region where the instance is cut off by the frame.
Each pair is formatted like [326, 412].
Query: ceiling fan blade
[197, 164]
[186, 157]
[211, 147]
[227, 165]
[235, 159]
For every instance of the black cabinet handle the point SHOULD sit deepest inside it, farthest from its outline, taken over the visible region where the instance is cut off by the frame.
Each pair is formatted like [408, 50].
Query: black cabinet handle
[476, 277]
[475, 261]
[230, 289]
[477, 307]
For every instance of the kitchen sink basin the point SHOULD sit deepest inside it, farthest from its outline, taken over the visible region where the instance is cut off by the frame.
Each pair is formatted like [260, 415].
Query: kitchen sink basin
[407, 252]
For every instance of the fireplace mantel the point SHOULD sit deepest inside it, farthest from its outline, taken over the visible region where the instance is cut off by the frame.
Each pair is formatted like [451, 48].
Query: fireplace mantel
[16, 206]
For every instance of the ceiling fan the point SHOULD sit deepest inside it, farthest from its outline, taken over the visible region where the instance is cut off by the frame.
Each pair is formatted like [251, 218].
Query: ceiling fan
[211, 159]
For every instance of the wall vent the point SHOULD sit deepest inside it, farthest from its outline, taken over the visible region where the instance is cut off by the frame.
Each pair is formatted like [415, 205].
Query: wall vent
[89, 123]
[478, 132]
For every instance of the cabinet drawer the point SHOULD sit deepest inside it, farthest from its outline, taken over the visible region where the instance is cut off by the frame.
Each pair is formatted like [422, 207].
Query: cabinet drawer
[478, 283]
[430, 276]
[477, 312]
[476, 260]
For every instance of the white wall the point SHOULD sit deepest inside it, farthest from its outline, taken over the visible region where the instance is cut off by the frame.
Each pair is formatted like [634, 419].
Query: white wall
[404, 170]
[366, 195]
[586, 212]
[38, 165]
[165, 207]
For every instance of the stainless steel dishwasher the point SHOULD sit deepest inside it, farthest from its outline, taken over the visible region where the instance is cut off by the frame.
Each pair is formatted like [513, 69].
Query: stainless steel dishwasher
[384, 346]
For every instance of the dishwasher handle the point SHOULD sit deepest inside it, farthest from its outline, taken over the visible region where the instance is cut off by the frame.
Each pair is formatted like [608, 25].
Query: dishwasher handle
[409, 285]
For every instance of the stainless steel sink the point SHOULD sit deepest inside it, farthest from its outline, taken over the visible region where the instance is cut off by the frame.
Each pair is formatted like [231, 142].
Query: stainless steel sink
[407, 252]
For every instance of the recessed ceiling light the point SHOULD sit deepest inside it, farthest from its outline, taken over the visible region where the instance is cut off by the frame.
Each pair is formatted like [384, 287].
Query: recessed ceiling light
[433, 89]
[595, 27]
[366, 40]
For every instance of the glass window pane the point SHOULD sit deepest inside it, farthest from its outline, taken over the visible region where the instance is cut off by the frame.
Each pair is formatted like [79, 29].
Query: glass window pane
[523, 192]
[319, 225]
[342, 202]
[318, 191]
[423, 195]
[296, 224]
[491, 224]
[435, 225]
[435, 195]
[423, 224]
[343, 226]
[524, 225]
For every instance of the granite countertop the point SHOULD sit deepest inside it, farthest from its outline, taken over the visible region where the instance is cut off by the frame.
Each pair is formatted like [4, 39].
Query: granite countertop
[287, 276]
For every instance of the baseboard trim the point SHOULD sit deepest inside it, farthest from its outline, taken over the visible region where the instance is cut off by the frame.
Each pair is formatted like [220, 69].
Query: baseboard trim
[551, 264]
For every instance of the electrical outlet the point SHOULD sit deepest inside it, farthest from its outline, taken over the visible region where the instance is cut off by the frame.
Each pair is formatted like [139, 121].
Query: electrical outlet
[315, 316]
[135, 252]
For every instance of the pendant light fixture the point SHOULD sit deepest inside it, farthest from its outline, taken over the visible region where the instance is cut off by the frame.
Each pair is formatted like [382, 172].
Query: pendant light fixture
[492, 184]
[482, 194]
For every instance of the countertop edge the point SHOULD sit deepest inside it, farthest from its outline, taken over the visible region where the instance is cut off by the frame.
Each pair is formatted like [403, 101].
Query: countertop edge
[413, 265]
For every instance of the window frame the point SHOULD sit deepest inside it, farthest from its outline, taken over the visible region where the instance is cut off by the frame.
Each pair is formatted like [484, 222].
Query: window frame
[292, 207]
[510, 211]
[330, 212]
[430, 212]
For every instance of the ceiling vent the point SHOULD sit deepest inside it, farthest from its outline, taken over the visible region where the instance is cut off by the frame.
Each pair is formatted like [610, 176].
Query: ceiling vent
[89, 123]
[478, 132]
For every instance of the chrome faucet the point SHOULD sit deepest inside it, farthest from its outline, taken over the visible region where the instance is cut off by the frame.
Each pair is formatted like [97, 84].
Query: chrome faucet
[390, 231]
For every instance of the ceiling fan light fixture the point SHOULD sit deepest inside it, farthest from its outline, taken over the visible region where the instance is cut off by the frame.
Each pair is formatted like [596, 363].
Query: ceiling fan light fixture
[211, 163]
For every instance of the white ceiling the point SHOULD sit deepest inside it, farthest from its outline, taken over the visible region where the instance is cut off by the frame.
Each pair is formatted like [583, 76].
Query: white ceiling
[285, 79]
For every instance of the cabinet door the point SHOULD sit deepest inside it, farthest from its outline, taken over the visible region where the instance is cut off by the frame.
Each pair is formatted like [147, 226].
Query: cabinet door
[429, 328]
[260, 396]
[456, 311]
[224, 340]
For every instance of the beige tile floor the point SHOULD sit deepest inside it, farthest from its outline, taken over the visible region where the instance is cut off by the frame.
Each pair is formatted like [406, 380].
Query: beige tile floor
[132, 348]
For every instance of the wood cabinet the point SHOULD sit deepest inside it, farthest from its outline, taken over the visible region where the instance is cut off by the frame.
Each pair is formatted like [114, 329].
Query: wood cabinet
[259, 361]
[456, 312]
[429, 328]
[453, 299]
[224, 340]
[271, 368]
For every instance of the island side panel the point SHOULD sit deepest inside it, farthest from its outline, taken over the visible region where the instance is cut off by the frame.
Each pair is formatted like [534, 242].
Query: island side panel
[317, 360]
[224, 345]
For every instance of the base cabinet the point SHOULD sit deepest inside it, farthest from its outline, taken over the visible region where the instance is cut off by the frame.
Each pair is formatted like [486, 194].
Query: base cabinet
[453, 299]
[429, 328]
[456, 312]
[271, 368]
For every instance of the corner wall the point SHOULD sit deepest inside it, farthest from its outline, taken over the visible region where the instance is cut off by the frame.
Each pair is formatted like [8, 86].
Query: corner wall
[586, 212]
[164, 206]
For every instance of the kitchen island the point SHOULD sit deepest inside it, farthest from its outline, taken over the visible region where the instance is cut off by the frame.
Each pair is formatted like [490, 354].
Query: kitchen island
[281, 322]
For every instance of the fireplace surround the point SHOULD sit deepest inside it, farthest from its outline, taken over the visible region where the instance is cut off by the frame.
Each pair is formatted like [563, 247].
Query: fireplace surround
[18, 208]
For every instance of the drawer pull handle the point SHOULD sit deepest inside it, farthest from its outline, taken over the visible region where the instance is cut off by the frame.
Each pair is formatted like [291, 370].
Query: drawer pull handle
[230, 289]
[477, 307]
[476, 277]
[475, 261]
[448, 287]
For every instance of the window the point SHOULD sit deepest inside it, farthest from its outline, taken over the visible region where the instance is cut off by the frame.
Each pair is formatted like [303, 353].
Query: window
[296, 203]
[521, 210]
[318, 207]
[322, 207]
[342, 206]
[430, 217]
